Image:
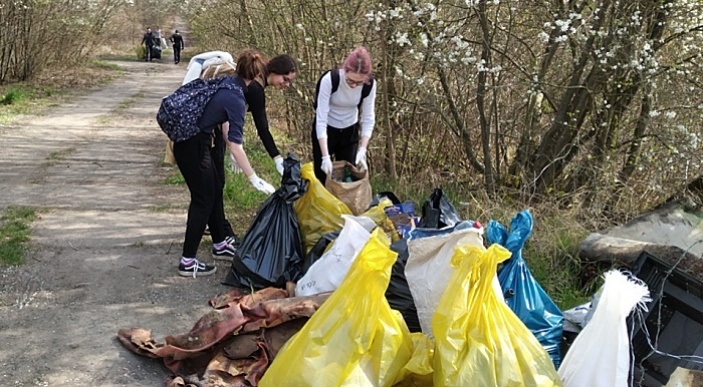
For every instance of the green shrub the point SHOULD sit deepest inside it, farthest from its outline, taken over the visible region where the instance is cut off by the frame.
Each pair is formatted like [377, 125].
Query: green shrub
[13, 95]
[140, 51]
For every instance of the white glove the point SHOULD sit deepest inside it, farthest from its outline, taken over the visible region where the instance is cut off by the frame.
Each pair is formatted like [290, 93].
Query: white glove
[233, 163]
[326, 165]
[279, 164]
[261, 184]
[361, 159]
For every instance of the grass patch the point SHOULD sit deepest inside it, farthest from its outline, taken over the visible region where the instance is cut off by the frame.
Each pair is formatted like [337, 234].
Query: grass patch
[104, 120]
[21, 99]
[239, 194]
[14, 95]
[162, 208]
[101, 64]
[14, 234]
[175, 178]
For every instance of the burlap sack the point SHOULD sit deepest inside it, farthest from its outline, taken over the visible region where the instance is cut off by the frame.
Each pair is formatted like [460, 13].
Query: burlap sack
[357, 194]
[168, 153]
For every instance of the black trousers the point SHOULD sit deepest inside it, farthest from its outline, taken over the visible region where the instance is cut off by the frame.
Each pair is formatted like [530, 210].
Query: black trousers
[342, 144]
[218, 155]
[148, 52]
[197, 165]
[176, 54]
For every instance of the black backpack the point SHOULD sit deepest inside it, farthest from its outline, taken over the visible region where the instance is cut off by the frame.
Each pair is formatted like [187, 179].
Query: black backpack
[180, 112]
[365, 91]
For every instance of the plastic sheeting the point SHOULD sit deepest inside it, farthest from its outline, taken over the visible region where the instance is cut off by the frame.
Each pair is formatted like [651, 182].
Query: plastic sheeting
[600, 355]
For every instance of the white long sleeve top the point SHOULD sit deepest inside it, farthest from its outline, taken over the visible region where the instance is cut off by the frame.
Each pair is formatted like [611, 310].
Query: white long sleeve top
[340, 109]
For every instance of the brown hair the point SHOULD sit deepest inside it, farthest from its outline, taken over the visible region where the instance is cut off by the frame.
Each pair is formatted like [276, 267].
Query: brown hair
[251, 65]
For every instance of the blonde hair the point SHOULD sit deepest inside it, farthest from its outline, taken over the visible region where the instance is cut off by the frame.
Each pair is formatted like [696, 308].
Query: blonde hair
[219, 69]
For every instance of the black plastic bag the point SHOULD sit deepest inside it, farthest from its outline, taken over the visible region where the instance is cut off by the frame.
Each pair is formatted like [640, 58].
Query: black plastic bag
[398, 292]
[316, 252]
[385, 194]
[271, 252]
[438, 212]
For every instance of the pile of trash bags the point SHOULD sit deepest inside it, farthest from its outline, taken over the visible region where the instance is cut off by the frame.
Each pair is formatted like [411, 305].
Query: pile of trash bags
[379, 296]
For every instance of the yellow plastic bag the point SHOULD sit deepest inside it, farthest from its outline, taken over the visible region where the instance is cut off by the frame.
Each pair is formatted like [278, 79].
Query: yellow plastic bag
[378, 215]
[479, 340]
[318, 211]
[418, 371]
[354, 339]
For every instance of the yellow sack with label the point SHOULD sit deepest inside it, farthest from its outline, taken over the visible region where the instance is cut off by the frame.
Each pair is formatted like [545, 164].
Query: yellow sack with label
[318, 211]
[479, 341]
[355, 338]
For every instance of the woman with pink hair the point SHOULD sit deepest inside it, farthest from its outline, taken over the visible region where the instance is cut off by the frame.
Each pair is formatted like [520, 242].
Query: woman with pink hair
[344, 114]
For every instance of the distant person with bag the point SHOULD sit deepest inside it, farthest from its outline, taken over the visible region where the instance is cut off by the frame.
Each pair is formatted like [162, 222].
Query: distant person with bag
[344, 106]
[148, 40]
[177, 43]
[194, 157]
[160, 41]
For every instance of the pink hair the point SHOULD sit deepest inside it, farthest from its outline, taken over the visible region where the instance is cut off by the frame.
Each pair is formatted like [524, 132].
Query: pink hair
[358, 61]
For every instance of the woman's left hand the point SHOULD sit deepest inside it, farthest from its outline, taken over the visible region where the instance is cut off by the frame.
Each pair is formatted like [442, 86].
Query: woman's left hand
[278, 160]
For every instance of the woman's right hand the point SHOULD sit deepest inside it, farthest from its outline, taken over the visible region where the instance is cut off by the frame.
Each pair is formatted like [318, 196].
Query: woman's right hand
[261, 184]
[326, 165]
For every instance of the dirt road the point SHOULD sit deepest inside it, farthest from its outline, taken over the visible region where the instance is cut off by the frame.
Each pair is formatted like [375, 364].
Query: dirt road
[105, 249]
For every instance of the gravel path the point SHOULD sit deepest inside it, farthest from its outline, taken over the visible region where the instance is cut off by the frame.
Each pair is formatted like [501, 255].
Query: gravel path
[105, 249]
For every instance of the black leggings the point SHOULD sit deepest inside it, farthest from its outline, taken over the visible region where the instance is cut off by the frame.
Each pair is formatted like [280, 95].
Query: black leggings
[197, 165]
[218, 155]
[341, 143]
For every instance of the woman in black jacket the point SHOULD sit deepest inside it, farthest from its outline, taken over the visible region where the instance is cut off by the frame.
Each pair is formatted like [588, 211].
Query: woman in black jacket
[279, 73]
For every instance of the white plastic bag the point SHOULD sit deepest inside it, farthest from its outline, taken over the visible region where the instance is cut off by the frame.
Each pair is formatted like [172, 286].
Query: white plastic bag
[600, 355]
[429, 269]
[328, 272]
